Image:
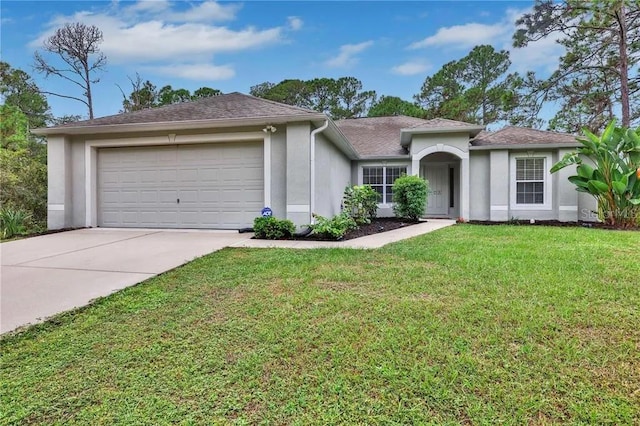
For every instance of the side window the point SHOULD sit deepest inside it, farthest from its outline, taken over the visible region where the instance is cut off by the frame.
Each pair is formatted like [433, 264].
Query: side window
[530, 181]
[381, 178]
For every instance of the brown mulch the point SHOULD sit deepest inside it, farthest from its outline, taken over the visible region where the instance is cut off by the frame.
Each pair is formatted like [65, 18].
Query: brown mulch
[378, 225]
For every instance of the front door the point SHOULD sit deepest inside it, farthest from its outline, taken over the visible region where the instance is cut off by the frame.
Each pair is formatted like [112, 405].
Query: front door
[438, 198]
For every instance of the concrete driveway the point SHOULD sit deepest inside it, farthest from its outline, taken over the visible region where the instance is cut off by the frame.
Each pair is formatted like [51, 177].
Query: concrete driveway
[45, 275]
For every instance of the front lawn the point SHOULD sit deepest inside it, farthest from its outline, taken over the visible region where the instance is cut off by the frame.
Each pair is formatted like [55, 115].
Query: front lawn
[469, 324]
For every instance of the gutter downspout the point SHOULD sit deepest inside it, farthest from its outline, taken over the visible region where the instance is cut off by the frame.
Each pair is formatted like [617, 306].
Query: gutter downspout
[312, 171]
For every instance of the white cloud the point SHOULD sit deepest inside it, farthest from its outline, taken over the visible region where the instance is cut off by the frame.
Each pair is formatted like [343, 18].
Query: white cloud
[147, 6]
[410, 68]
[295, 23]
[208, 11]
[150, 34]
[462, 36]
[203, 72]
[541, 55]
[156, 40]
[347, 55]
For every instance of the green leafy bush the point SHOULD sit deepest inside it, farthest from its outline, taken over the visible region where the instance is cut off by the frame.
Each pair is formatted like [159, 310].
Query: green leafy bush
[271, 228]
[23, 183]
[361, 203]
[333, 228]
[615, 180]
[13, 222]
[410, 197]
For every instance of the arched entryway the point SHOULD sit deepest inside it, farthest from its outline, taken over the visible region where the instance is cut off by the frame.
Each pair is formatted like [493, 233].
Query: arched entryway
[447, 170]
[442, 170]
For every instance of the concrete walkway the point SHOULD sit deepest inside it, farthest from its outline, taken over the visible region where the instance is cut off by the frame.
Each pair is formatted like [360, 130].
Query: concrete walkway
[368, 242]
[43, 276]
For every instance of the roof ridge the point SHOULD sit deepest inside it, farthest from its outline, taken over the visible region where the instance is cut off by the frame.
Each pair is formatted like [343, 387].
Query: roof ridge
[152, 108]
[280, 104]
[521, 128]
[381, 116]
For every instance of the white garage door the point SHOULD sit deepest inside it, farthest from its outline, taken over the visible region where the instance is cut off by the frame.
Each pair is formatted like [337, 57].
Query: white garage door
[218, 186]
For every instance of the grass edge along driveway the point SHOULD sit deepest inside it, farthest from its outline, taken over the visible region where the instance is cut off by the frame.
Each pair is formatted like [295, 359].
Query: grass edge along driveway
[470, 324]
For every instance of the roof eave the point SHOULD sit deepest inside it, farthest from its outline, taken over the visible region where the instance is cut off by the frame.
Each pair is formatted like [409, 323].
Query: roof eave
[175, 125]
[406, 134]
[524, 146]
[385, 157]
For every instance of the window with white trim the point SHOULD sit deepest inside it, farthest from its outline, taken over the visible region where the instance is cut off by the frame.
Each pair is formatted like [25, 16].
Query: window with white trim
[381, 178]
[530, 180]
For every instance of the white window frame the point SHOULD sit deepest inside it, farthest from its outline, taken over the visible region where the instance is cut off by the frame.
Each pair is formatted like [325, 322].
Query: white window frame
[547, 181]
[384, 175]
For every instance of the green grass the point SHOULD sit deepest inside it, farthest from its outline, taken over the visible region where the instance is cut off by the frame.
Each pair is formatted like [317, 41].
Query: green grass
[470, 324]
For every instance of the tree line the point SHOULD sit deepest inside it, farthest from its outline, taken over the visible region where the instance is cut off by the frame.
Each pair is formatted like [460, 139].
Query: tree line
[596, 79]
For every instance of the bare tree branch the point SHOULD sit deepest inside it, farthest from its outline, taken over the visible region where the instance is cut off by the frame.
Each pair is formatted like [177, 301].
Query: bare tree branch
[77, 45]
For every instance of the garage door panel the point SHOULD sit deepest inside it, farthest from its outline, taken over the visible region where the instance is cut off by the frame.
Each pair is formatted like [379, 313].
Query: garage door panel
[189, 197]
[209, 196]
[219, 185]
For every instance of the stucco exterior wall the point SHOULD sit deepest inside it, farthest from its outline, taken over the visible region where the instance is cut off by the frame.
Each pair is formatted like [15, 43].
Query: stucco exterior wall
[457, 140]
[479, 186]
[298, 173]
[498, 185]
[78, 187]
[492, 195]
[279, 173]
[333, 174]
[59, 205]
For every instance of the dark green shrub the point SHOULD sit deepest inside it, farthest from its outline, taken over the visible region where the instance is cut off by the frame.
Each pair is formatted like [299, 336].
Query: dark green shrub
[333, 228]
[271, 228]
[361, 203]
[410, 197]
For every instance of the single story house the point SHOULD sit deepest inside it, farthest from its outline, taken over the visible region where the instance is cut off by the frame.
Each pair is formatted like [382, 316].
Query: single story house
[216, 162]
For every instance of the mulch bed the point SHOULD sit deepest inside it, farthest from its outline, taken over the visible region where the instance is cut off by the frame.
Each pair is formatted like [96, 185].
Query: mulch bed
[378, 225]
[583, 224]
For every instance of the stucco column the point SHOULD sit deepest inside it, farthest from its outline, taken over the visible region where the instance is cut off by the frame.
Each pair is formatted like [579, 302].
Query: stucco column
[59, 182]
[464, 187]
[415, 165]
[499, 185]
[567, 195]
[298, 173]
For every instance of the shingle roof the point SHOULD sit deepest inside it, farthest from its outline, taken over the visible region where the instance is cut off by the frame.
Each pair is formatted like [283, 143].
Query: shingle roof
[232, 105]
[445, 122]
[378, 136]
[381, 136]
[511, 135]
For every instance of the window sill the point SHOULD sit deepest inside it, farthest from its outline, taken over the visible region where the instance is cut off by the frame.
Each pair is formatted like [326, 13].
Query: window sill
[530, 207]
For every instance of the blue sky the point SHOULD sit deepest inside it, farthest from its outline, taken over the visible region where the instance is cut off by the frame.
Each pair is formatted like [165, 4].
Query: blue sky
[390, 46]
